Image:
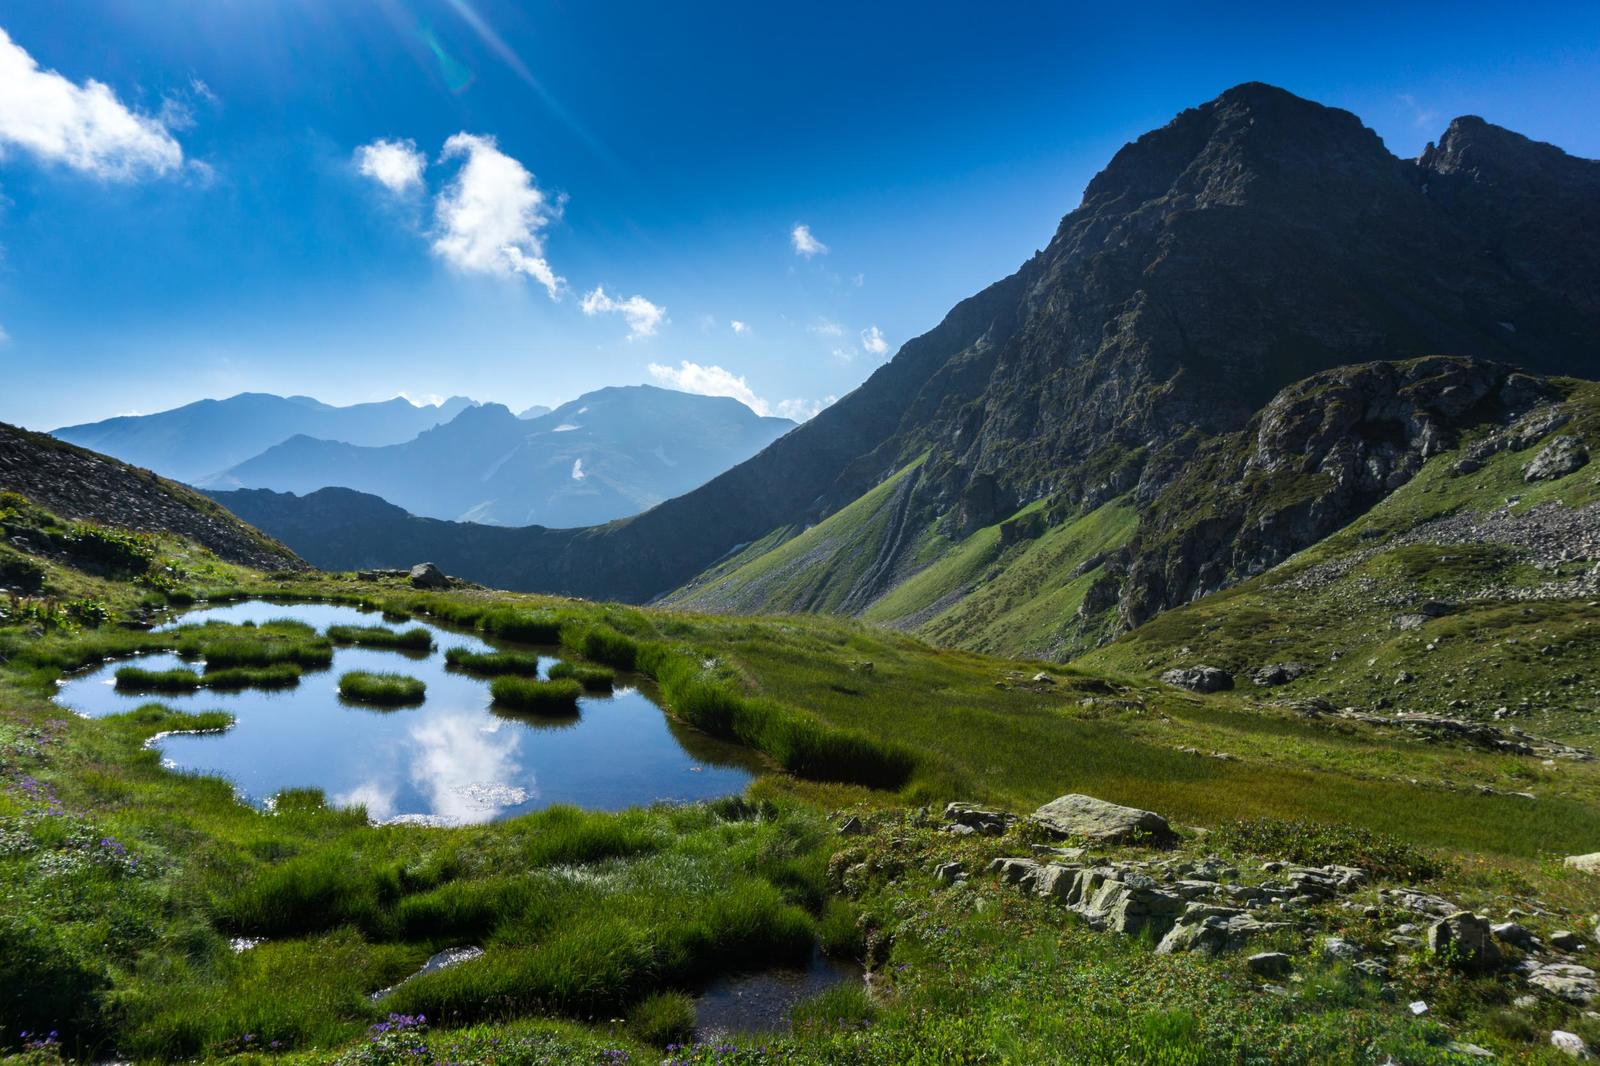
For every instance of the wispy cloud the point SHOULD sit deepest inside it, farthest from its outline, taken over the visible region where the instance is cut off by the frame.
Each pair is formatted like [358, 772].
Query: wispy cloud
[739, 327]
[823, 327]
[84, 127]
[715, 381]
[804, 243]
[873, 341]
[396, 165]
[642, 316]
[1421, 116]
[490, 214]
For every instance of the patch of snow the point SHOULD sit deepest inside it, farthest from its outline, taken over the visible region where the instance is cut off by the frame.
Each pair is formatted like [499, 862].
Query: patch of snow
[566, 427]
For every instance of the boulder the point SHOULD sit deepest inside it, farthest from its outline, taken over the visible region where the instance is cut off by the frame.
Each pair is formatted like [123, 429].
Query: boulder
[1562, 456]
[1270, 964]
[1280, 674]
[991, 823]
[1467, 938]
[1213, 930]
[428, 576]
[949, 873]
[1087, 818]
[1518, 936]
[1569, 1044]
[1199, 678]
[1589, 864]
[1566, 940]
[1564, 980]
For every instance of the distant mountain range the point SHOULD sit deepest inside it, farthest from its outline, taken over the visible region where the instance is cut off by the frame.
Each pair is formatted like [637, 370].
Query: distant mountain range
[608, 454]
[198, 440]
[1148, 410]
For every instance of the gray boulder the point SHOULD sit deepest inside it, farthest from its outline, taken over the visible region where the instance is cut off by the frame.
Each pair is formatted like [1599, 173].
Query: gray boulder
[1280, 674]
[1270, 964]
[1199, 678]
[1566, 940]
[1562, 456]
[1213, 930]
[1570, 1044]
[1087, 818]
[990, 823]
[428, 576]
[1564, 980]
[1467, 938]
[1589, 864]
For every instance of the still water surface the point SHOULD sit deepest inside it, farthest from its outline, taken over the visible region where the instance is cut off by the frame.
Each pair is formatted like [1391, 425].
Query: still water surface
[454, 759]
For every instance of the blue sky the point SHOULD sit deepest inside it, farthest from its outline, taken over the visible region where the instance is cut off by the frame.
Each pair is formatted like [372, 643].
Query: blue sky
[567, 194]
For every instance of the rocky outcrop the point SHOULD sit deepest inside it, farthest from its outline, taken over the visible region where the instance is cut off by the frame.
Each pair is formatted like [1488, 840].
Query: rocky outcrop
[79, 484]
[1199, 678]
[428, 576]
[1562, 456]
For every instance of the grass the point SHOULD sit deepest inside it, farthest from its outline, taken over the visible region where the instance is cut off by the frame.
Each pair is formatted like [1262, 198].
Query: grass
[361, 686]
[136, 679]
[493, 664]
[413, 639]
[537, 697]
[592, 678]
[596, 926]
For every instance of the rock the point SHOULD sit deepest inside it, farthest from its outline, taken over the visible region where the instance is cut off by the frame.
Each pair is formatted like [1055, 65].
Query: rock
[1042, 678]
[1564, 980]
[1213, 930]
[975, 818]
[851, 826]
[1562, 456]
[1371, 968]
[1569, 1044]
[1410, 899]
[1566, 940]
[428, 576]
[1016, 871]
[1471, 1051]
[1270, 964]
[1465, 938]
[950, 873]
[1280, 674]
[1199, 678]
[1087, 818]
[1589, 864]
[1516, 935]
[959, 830]
[1341, 949]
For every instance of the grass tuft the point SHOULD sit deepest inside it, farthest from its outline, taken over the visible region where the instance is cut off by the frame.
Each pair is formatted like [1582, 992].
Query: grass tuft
[538, 697]
[592, 678]
[414, 639]
[394, 690]
[493, 664]
[137, 679]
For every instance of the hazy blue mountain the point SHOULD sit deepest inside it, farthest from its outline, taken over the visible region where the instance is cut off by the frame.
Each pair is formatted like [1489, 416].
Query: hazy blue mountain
[534, 412]
[201, 439]
[605, 455]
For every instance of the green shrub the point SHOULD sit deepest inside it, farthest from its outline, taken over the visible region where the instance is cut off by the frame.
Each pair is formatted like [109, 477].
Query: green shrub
[1320, 843]
[413, 639]
[538, 697]
[116, 550]
[136, 679]
[362, 686]
[592, 678]
[662, 1019]
[493, 664]
[20, 573]
[605, 645]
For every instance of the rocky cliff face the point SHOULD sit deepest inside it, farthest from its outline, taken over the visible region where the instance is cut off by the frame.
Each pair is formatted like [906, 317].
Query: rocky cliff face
[1319, 455]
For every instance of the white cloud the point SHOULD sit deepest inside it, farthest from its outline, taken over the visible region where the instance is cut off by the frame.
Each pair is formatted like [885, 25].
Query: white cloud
[804, 243]
[739, 327]
[802, 410]
[643, 317]
[844, 355]
[81, 126]
[396, 165]
[490, 214]
[872, 340]
[715, 381]
[577, 470]
[824, 328]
